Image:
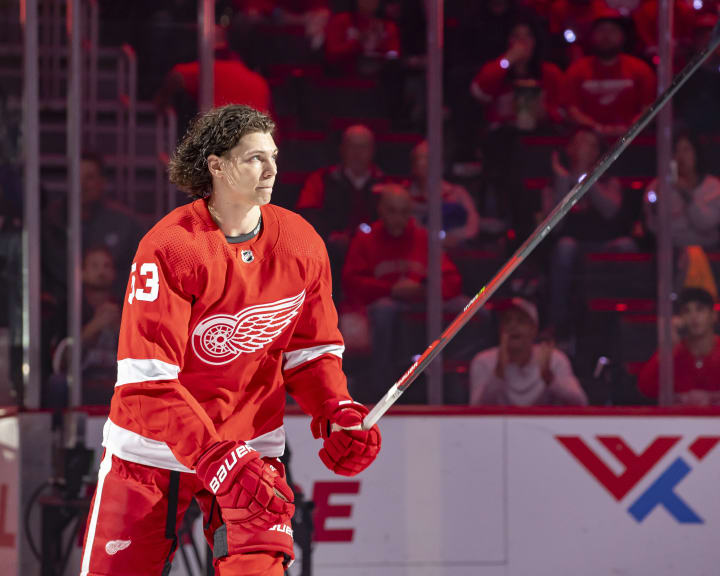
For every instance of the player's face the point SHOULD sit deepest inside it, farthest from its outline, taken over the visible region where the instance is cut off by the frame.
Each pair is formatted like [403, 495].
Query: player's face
[698, 319]
[98, 270]
[249, 169]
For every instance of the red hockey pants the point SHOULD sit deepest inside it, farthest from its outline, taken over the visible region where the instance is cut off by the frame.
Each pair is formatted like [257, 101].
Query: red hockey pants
[133, 523]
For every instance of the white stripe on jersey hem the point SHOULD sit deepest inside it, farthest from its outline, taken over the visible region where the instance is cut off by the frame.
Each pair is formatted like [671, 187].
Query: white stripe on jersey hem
[297, 357]
[132, 370]
[134, 447]
[271, 444]
[105, 466]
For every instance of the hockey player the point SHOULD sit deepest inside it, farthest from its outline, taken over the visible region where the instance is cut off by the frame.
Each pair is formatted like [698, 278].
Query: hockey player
[228, 308]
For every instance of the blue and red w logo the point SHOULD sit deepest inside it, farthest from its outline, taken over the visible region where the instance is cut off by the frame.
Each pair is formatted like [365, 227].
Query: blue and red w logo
[636, 466]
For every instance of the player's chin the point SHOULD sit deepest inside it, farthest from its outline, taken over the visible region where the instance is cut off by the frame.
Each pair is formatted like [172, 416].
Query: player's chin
[263, 195]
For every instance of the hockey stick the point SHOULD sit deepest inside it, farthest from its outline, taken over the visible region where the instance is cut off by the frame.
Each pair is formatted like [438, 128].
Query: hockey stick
[552, 219]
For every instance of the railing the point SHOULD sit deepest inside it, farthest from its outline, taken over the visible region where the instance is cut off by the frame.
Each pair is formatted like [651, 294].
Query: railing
[165, 141]
[127, 125]
[110, 105]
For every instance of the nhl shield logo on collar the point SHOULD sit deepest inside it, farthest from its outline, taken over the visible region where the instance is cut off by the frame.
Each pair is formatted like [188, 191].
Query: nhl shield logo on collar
[247, 256]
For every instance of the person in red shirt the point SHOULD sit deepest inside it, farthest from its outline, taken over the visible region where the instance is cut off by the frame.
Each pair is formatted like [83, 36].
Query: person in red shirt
[360, 33]
[696, 354]
[228, 310]
[234, 82]
[386, 271]
[251, 19]
[608, 90]
[389, 258]
[337, 199]
[645, 18]
[519, 88]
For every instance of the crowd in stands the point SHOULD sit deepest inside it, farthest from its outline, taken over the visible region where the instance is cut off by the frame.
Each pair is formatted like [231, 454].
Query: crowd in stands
[572, 75]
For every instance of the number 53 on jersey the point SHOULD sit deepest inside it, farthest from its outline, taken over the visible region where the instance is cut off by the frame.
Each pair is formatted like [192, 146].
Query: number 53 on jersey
[149, 275]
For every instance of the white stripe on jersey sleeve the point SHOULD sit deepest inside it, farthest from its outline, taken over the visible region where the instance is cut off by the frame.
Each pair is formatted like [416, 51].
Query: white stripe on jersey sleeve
[297, 357]
[143, 370]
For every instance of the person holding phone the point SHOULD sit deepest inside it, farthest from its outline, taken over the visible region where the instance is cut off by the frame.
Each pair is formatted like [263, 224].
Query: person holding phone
[696, 353]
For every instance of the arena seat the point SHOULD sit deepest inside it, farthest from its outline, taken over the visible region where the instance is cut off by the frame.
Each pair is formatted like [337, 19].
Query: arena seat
[304, 151]
[355, 97]
[619, 275]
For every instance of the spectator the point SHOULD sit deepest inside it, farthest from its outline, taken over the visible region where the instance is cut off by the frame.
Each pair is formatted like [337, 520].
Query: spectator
[101, 326]
[478, 31]
[386, 271]
[694, 197]
[645, 18]
[336, 200]
[696, 353]
[312, 15]
[104, 223]
[412, 25]
[608, 90]
[519, 372]
[234, 82]
[461, 221]
[520, 88]
[389, 258]
[361, 42]
[360, 34]
[595, 223]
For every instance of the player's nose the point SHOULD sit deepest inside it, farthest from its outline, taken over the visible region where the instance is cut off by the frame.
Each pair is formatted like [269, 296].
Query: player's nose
[270, 170]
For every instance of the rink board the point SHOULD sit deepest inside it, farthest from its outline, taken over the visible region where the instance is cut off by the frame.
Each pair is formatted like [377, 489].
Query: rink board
[519, 494]
[499, 495]
[9, 494]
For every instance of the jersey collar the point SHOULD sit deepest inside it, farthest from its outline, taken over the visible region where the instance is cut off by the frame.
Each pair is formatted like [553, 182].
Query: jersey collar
[262, 245]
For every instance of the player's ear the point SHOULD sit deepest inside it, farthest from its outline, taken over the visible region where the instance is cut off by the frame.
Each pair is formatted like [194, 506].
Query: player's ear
[215, 165]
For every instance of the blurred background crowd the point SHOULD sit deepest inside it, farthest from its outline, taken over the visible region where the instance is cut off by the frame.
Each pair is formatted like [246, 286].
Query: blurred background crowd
[534, 93]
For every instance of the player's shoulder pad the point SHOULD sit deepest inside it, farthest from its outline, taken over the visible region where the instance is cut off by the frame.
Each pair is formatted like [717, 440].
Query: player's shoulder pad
[176, 239]
[297, 235]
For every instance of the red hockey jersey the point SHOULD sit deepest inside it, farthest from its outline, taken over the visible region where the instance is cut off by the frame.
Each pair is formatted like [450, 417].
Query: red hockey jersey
[214, 334]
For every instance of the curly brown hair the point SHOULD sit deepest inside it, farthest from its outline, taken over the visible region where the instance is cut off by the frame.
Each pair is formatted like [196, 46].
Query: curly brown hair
[214, 132]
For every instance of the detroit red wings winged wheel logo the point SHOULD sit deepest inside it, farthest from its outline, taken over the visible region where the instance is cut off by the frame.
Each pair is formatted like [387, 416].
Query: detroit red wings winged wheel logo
[221, 338]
